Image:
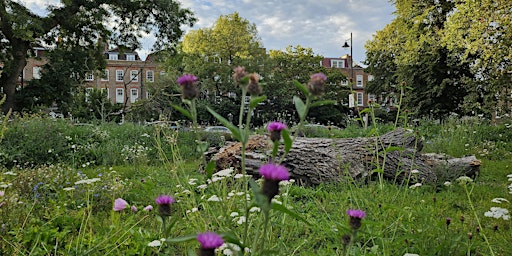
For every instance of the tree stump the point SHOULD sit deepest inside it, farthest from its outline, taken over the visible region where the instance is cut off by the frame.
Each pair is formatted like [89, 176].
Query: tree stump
[313, 161]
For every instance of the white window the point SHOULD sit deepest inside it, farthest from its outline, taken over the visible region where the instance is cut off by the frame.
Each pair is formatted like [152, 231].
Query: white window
[88, 93]
[162, 73]
[130, 57]
[36, 72]
[113, 56]
[370, 78]
[372, 97]
[134, 75]
[337, 63]
[360, 99]
[119, 75]
[344, 82]
[359, 81]
[89, 77]
[119, 95]
[105, 75]
[134, 95]
[150, 76]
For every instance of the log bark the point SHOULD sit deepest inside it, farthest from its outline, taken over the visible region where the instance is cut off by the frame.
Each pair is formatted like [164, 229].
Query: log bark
[312, 161]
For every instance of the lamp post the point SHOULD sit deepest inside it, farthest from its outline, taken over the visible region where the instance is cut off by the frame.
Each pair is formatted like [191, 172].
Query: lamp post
[351, 59]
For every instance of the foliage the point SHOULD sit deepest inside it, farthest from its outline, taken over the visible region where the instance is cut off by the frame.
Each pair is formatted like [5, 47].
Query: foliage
[409, 52]
[82, 23]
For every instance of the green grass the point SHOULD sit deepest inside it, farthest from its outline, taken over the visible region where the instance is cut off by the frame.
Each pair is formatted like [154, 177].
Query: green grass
[41, 217]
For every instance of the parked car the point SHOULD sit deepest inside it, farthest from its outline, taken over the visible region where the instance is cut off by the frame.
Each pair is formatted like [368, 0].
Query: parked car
[220, 129]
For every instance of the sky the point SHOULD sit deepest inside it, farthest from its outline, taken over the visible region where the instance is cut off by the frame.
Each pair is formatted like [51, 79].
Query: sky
[323, 25]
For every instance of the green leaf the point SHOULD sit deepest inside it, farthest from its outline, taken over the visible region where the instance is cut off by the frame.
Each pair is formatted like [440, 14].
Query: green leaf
[287, 140]
[230, 237]
[301, 87]
[210, 167]
[234, 130]
[183, 111]
[378, 170]
[300, 107]
[182, 239]
[323, 103]
[366, 110]
[256, 100]
[283, 209]
[259, 197]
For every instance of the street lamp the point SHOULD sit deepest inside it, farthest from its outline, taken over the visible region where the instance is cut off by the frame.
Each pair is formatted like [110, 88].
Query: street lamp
[346, 45]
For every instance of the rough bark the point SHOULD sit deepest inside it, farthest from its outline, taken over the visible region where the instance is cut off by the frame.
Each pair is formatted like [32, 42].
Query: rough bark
[314, 161]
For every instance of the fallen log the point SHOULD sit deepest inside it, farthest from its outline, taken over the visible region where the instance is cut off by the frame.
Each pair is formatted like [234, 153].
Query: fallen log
[312, 161]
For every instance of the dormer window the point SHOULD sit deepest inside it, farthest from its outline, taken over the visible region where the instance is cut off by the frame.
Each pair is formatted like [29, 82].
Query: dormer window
[130, 57]
[337, 63]
[113, 56]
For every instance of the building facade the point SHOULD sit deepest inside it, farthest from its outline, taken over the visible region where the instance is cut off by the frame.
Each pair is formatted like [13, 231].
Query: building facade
[356, 79]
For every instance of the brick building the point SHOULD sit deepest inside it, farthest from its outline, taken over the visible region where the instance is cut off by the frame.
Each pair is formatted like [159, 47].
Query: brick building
[355, 77]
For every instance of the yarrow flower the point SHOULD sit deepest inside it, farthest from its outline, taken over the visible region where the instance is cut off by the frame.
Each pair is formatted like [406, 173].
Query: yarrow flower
[316, 84]
[164, 204]
[272, 175]
[355, 218]
[188, 84]
[209, 242]
[275, 129]
[120, 204]
[498, 212]
[463, 180]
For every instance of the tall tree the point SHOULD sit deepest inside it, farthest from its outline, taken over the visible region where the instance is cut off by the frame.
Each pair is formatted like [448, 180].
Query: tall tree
[79, 22]
[409, 51]
[480, 32]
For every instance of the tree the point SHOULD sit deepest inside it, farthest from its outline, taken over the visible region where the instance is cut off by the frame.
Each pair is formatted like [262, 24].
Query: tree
[479, 32]
[82, 23]
[409, 52]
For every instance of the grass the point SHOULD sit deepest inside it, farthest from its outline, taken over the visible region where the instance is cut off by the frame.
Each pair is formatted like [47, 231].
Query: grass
[46, 213]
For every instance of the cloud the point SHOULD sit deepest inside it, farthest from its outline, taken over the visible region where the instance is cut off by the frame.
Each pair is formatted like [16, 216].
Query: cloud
[323, 25]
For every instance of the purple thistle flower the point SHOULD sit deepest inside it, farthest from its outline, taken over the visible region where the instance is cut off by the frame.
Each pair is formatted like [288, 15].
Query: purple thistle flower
[276, 126]
[275, 129]
[134, 209]
[356, 214]
[120, 204]
[316, 84]
[164, 204]
[186, 79]
[355, 218]
[148, 208]
[209, 240]
[274, 172]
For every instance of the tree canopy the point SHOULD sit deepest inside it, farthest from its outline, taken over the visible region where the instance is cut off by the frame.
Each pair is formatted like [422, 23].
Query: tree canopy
[82, 23]
[451, 54]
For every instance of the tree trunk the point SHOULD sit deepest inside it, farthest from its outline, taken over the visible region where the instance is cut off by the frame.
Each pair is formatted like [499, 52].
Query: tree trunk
[13, 69]
[313, 161]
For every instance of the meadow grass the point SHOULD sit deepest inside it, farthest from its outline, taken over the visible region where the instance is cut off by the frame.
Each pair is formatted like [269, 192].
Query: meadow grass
[54, 207]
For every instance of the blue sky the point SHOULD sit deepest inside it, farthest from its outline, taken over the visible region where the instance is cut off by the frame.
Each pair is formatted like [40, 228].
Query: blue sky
[323, 25]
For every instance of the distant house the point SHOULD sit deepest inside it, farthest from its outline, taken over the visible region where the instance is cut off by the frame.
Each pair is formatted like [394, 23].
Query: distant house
[355, 77]
[124, 78]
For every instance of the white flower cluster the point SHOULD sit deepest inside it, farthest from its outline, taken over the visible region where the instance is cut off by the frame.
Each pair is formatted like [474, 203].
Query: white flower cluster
[463, 180]
[510, 186]
[498, 212]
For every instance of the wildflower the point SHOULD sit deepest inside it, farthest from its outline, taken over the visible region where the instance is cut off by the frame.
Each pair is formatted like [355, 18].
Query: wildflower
[462, 219]
[415, 171]
[470, 235]
[272, 175]
[275, 129]
[164, 204]
[120, 204]
[448, 222]
[355, 218]
[155, 243]
[499, 200]
[87, 181]
[214, 198]
[2, 193]
[316, 84]
[134, 209]
[447, 184]
[148, 208]
[463, 180]
[254, 209]
[497, 212]
[415, 185]
[253, 88]
[239, 74]
[188, 84]
[224, 173]
[345, 239]
[209, 242]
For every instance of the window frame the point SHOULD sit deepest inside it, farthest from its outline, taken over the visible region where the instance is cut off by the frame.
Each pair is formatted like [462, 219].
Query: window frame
[119, 71]
[119, 97]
